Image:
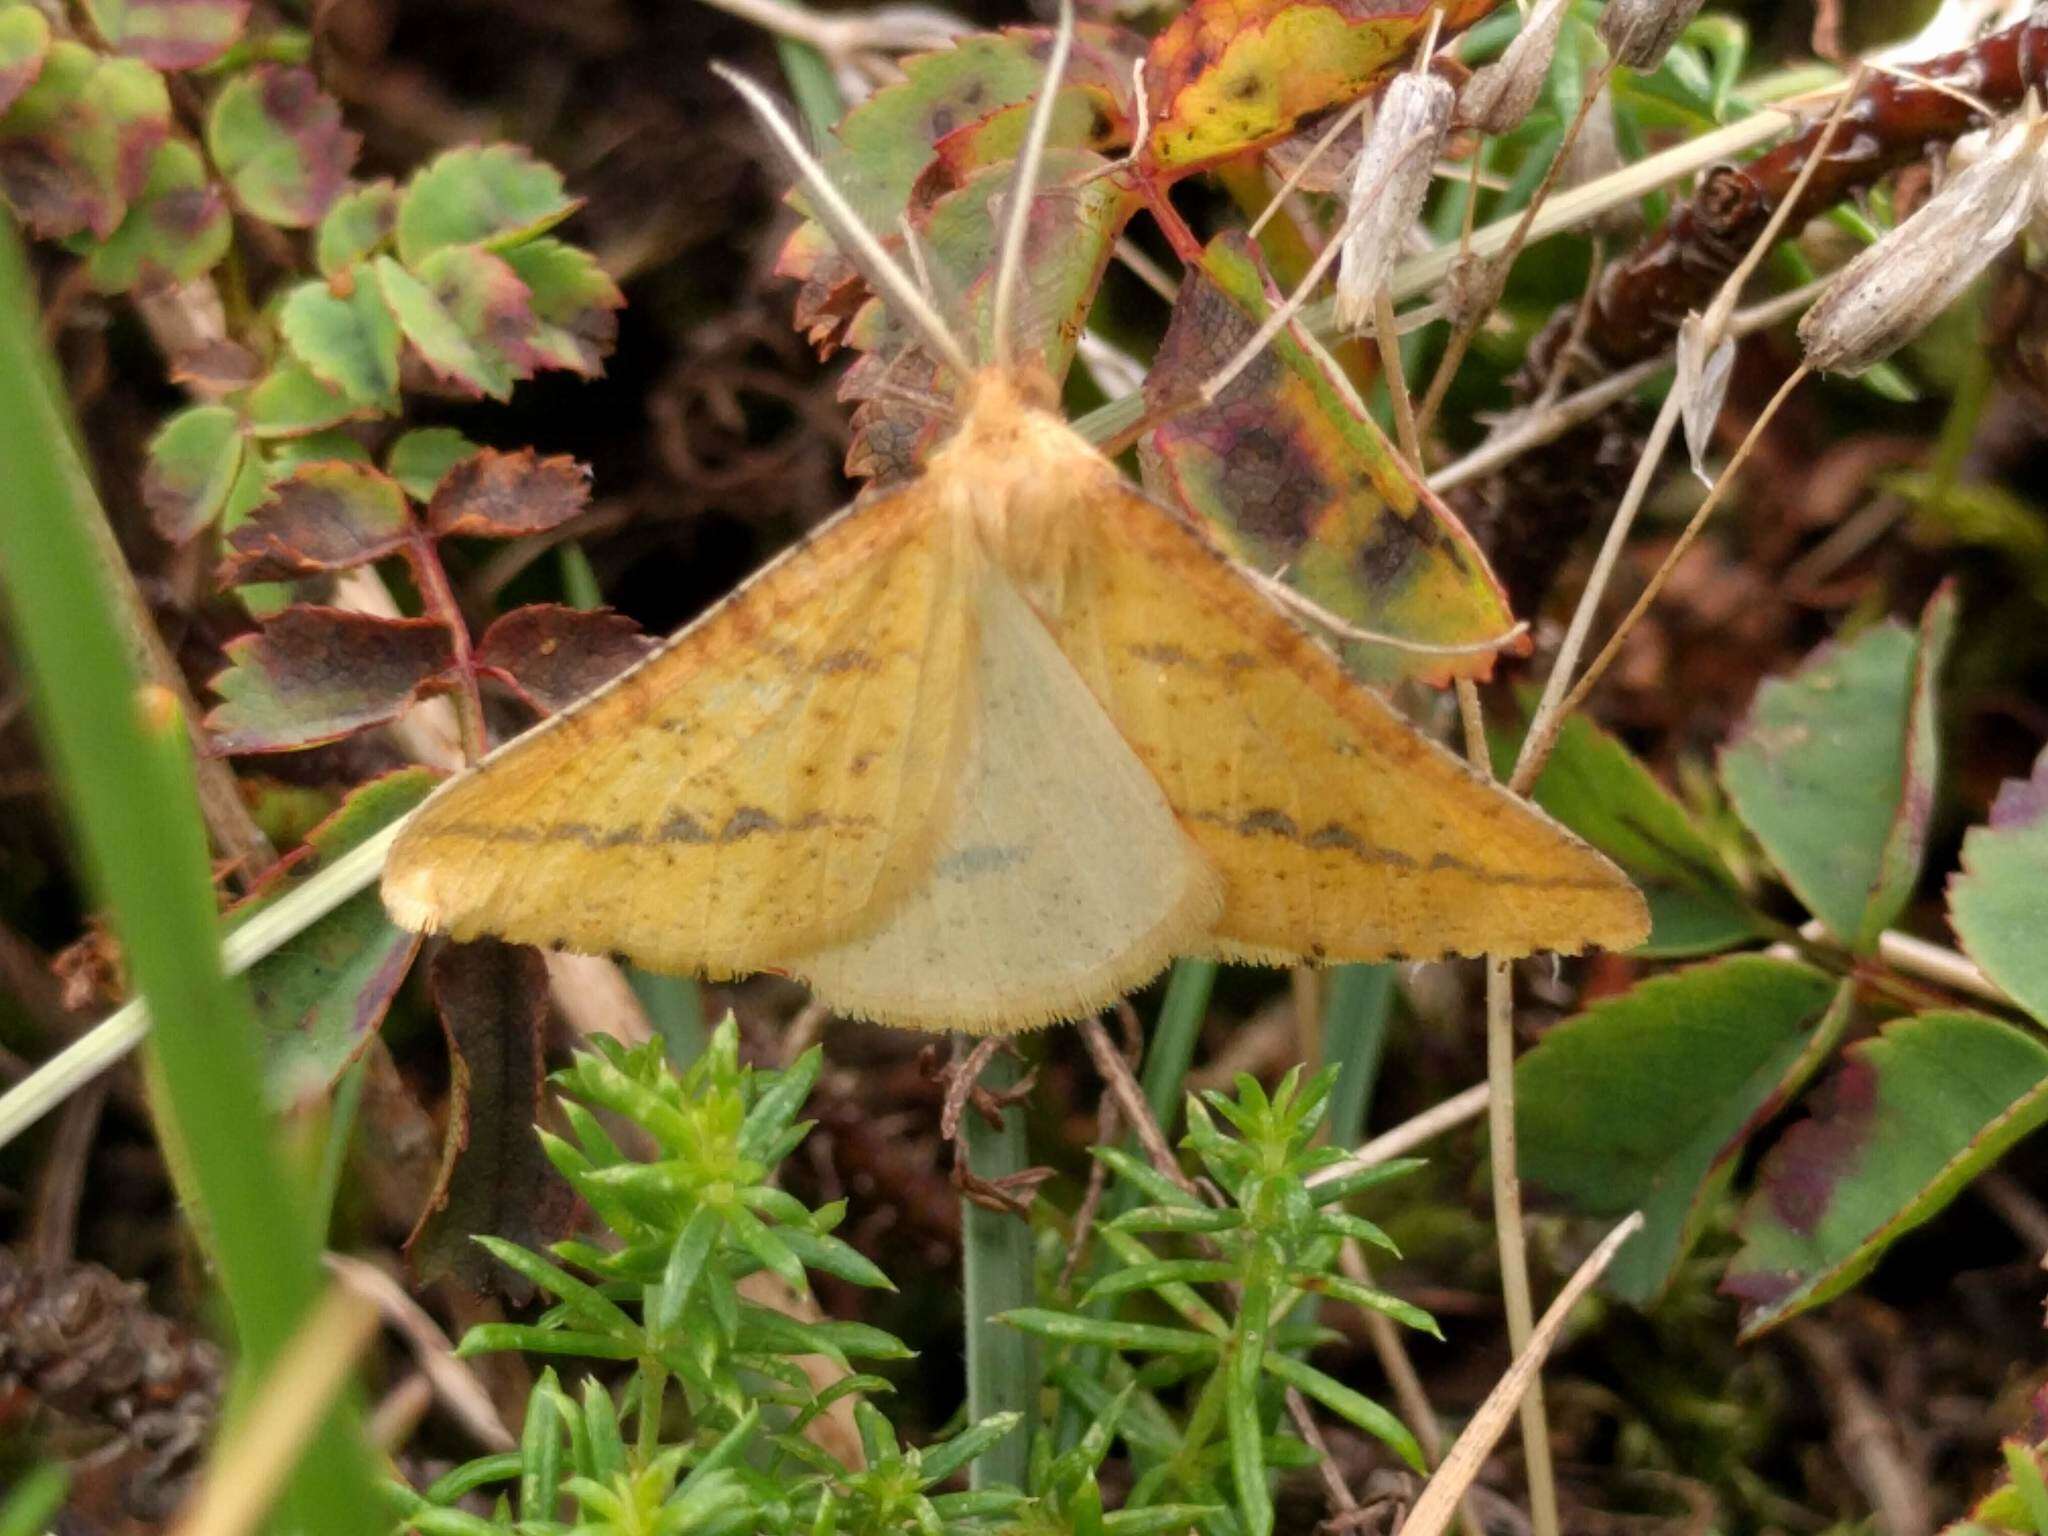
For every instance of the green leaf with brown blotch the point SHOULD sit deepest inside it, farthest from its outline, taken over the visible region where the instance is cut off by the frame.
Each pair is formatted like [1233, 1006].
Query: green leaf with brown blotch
[1067, 243]
[495, 495]
[328, 515]
[575, 305]
[491, 195]
[1595, 786]
[356, 227]
[322, 997]
[495, 1181]
[1227, 76]
[1909, 1118]
[279, 140]
[345, 334]
[24, 44]
[1645, 1101]
[170, 34]
[552, 656]
[193, 461]
[79, 143]
[421, 458]
[178, 228]
[884, 145]
[886, 156]
[289, 402]
[316, 674]
[1294, 477]
[1998, 902]
[1834, 771]
[467, 315]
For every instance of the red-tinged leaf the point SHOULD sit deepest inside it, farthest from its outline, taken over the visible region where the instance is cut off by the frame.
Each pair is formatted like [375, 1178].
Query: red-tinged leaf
[177, 229]
[1833, 770]
[493, 1002]
[973, 95]
[1067, 244]
[346, 335]
[193, 461]
[467, 315]
[1646, 1100]
[79, 143]
[315, 674]
[24, 44]
[1093, 112]
[552, 656]
[215, 368]
[420, 459]
[830, 289]
[496, 495]
[575, 305]
[323, 516]
[883, 146]
[1227, 76]
[491, 195]
[171, 34]
[1998, 902]
[1908, 1119]
[321, 998]
[358, 225]
[279, 140]
[1294, 477]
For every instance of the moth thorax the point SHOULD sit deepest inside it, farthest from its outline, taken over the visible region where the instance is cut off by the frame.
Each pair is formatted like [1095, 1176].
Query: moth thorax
[1022, 477]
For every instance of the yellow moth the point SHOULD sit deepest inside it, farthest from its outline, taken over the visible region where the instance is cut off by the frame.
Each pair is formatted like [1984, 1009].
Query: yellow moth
[989, 750]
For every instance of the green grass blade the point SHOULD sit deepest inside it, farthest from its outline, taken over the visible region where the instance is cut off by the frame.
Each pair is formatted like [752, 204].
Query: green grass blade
[1002, 1362]
[1359, 1004]
[128, 784]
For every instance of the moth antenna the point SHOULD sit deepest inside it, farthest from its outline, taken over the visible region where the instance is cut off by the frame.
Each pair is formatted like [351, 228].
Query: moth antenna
[847, 227]
[1024, 187]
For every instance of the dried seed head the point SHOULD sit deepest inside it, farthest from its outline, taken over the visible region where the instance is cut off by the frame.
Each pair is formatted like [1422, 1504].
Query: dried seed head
[1890, 292]
[1640, 32]
[1388, 186]
[1702, 385]
[1499, 95]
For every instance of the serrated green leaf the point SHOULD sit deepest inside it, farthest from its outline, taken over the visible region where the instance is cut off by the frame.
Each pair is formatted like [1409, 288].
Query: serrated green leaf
[288, 402]
[575, 305]
[491, 195]
[279, 140]
[466, 314]
[194, 460]
[24, 43]
[344, 333]
[178, 228]
[351, 231]
[170, 34]
[420, 458]
[78, 144]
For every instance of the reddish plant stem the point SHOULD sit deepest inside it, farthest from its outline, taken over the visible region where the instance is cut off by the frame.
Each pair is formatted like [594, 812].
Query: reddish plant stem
[1892, 122]
[437, 598]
